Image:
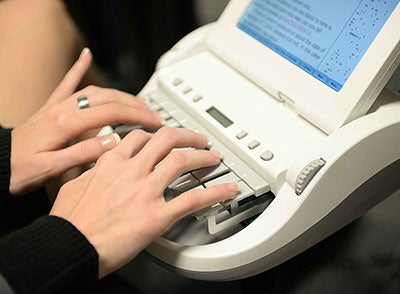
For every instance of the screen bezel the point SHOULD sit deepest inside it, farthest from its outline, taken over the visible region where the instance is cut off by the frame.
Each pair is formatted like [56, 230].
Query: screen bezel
[324, 107]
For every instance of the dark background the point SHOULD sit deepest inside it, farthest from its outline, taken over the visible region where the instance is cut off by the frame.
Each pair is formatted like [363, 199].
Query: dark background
[127, 37]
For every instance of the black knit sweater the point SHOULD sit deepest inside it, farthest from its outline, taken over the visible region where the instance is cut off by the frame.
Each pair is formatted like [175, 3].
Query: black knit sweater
[38, 253]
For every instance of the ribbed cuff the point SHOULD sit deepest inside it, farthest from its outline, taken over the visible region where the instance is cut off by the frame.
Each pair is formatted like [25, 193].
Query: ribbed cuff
[16, 211]
[47, 255]
[5, 155]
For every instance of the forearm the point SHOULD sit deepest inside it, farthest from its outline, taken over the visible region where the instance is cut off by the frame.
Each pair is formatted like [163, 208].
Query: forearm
[46, 256]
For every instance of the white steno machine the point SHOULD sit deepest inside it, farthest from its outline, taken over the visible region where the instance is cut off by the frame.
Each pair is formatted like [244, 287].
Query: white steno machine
[293, 95]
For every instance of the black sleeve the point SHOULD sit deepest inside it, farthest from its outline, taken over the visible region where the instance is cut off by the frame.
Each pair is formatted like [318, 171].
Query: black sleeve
[46, 256]
[5, 155]
[16, 212]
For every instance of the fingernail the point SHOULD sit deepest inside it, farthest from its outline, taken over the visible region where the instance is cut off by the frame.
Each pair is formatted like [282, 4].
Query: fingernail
[216, 153]
[143, 100]
[111, 141]
[234, 187]
[107, 130]
[205, 137]
[159, 117]
[85, 51]
[117, 138]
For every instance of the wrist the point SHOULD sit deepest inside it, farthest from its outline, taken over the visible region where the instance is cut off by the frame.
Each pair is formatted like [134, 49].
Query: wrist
[26, 174]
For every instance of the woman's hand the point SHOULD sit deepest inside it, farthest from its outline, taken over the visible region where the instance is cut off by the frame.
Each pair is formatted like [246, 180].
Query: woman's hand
[39, 152]
[119, 205]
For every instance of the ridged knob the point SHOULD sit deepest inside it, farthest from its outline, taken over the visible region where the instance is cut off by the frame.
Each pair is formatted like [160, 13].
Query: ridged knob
[307, 174]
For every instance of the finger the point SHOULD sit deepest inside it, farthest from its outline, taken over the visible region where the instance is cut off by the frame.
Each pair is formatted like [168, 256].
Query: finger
[164, 140]
[196, 199]
[132, 143]
[73, 77]
[86, 119]
[82, 153]
[98, 96]
[178, 162]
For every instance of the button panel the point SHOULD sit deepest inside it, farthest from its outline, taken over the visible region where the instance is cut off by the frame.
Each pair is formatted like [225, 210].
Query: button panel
[265, 156]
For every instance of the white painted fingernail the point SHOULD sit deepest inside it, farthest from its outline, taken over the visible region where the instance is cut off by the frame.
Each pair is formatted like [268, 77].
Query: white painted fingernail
[110, 142]
[158, 117]
[107, 130]
[85, 51]
[117, 138]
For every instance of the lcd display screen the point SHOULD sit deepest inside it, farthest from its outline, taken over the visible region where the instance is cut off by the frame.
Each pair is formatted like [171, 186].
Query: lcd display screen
[219, 117]
[326, 39]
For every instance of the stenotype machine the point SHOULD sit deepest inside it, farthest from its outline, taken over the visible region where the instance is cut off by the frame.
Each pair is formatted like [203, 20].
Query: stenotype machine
[293, 95]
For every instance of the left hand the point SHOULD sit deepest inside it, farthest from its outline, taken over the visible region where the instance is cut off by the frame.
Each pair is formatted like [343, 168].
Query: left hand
[38, 147]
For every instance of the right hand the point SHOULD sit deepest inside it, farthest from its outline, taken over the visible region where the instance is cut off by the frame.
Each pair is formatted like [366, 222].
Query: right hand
[119, 204]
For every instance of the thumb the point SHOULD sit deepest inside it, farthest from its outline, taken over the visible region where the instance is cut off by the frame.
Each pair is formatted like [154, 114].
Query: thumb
[84, 152]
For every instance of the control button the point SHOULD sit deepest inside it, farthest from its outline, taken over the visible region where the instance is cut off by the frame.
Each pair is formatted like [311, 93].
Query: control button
[154, 105]
[177, 114]
[267, 155]
[172, 123]
[187, 90]
[229, 177]
[188, 123]
[208, 211]
[165, 115]
[243, 192]
[197, 98]
[241, 134]
[167, 106]
[177, 81]
[257, 183]
[254, 144]
[183, 183]
[210, 172]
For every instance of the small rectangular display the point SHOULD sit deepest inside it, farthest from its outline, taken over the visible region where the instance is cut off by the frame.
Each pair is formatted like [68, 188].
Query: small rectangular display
[219, 117]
